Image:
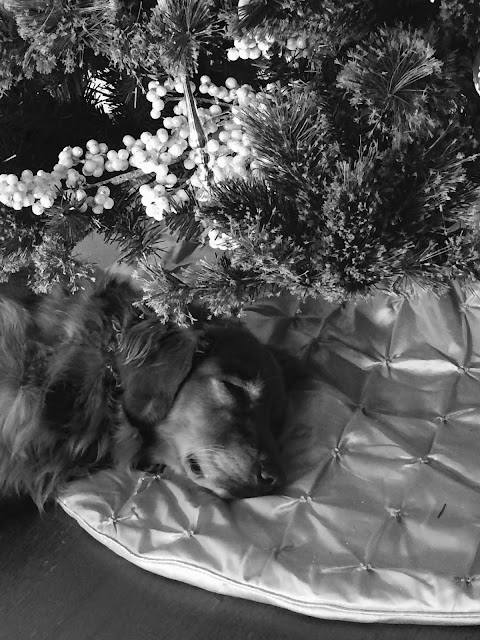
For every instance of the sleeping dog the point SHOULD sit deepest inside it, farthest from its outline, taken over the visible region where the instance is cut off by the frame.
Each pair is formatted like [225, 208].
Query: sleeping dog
[91, 380]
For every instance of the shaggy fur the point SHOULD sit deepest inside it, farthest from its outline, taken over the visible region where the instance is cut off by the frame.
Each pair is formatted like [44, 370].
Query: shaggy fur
[87, 381]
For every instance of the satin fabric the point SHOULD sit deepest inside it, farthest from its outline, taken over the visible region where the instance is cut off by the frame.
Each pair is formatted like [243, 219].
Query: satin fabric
[380, 518]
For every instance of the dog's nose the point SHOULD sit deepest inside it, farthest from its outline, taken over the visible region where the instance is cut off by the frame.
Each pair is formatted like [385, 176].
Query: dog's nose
[268, 476]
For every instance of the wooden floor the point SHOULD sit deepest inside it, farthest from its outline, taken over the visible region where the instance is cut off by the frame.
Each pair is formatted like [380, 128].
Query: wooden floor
[58, 583]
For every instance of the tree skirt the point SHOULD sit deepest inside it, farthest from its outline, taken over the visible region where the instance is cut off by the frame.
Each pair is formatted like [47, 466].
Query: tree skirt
[380, 519]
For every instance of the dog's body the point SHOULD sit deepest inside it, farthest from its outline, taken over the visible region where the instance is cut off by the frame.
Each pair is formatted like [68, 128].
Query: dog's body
[87, 381]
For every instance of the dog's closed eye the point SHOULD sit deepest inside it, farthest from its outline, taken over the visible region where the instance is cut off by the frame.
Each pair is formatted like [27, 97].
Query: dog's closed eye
[230, 393]
[237, 392]
[195, 467]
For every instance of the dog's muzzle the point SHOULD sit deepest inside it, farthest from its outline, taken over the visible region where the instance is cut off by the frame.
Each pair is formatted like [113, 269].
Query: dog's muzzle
[266, 478]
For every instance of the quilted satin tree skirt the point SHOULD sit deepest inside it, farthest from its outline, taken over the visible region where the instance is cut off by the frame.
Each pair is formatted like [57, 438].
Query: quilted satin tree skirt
[380, 519]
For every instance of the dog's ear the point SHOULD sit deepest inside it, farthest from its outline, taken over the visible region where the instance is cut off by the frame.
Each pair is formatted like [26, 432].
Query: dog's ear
[154, 361]
[114, 293]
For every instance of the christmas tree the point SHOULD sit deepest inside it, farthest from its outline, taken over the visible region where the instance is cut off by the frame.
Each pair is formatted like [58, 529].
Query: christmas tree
[316, 147]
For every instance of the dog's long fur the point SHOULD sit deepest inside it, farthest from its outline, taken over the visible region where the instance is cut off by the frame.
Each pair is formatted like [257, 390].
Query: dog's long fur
[86, 381]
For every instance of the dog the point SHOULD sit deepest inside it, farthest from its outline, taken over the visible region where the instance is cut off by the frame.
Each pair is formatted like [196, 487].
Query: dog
[95, 380]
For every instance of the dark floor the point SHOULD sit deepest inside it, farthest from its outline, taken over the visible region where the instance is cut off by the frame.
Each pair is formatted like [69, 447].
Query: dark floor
[58, 583]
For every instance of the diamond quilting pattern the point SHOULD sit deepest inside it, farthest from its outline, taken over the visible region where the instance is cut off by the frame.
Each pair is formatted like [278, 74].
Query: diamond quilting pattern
[380, 519]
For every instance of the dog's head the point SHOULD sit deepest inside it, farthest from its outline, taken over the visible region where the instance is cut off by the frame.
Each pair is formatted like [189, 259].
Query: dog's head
[211, 404]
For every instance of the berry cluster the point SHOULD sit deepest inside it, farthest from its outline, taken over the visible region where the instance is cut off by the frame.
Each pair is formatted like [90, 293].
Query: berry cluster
[37, 191]
[228, 147]
[167, 156]
[219, 240]
[251, 47]
[40, 191]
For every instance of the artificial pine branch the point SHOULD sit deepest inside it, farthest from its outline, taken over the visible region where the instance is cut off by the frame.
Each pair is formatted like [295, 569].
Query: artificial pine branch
[281, 16]
[52, 263]
[168, 40]
[139, 238]
[44, 253]
[186, 25]
[218, 287]
[249, 202]
[461, 20]
[67, 223]
[62, 31]
[388, 80]
[291, 136]
[165, 293]
[330, 25]
[12, 51]
[17, 239]
[183, 222]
